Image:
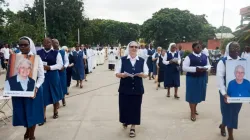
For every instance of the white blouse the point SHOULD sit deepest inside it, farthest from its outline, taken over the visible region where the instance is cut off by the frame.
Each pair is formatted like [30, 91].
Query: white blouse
[118, 67]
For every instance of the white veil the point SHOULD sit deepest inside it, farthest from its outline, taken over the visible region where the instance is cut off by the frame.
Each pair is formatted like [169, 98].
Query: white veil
[32, 44]
[170, 45]
[127, 49]
[227, 49]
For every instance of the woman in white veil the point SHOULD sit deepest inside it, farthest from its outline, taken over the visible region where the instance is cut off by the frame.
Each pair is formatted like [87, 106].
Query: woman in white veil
[131, 70]
[172, 61]
[27, 111]
[230, 112]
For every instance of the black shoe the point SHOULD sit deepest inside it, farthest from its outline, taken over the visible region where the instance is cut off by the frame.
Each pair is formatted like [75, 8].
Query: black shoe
[125, 126]
[26, 137]
[55, 116]
[41, 124]
[176, 97]
[132, 133]
[223, 133]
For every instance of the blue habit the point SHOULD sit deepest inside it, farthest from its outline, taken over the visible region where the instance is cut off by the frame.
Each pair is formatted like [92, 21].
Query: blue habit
[131, 91]
[150, 61]
[63, 75]
[196, 83]
[27, 112]
[154, 64]
[52, 90]
[230, 112]
[78, 69]
[172, 73]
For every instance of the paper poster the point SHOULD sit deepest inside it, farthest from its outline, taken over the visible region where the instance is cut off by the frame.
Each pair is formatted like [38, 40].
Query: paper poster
[21, 76]
[238, 81]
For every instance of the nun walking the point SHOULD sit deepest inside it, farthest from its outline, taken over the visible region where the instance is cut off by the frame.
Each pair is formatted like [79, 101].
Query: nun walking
[79, 60]
[155, 58]
[131, 70]
[69, 68]
[28, 112]
[160, 68]
[62, 71]
[150, 62]
[52, 90]
[196, 65]
[230, 112]
[172, 61]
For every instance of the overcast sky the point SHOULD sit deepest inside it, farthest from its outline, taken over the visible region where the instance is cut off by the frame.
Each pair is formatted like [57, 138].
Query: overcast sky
[137, 11]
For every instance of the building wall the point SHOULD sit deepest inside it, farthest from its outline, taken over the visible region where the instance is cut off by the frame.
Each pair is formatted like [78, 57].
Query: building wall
[211, 45]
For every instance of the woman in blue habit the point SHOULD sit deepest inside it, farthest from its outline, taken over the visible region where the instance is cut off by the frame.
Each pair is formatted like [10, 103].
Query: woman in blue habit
[196, 65]
[230, 112]
[28, 112]
[79, 60]
[131, 88]
[62, 71]
[52, 90]
[172, 61]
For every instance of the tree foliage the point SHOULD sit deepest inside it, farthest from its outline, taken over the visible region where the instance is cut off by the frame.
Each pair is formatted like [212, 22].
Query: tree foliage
[111, 32]
[174, 25]
[223, 29]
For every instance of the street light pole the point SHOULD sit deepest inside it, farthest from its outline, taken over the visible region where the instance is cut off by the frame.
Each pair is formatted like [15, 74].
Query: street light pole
[78, 35]
[223, 17]
[44, 14]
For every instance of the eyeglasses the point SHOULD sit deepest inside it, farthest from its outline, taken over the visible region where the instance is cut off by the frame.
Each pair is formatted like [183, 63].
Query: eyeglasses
[23, 45]
[133, 47]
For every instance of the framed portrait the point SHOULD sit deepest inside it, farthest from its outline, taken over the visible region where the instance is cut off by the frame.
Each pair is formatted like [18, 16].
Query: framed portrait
[238, 81]
[21, 75]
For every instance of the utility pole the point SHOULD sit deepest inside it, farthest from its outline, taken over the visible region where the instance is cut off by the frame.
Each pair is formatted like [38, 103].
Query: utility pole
[44, 14]
[223, 17]
[78, 36]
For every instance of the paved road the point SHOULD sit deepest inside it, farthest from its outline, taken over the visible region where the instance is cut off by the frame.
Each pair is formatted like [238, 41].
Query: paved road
[92, 114]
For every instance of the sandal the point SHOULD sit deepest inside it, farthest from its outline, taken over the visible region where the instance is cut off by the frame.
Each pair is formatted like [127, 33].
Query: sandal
[193, 119]
[55, 116]
[168, 96]
[26, 137]
[34, 138]
[125, 126]
[176, 97]
[81, 86]
[132, 133]
[41, 124]
[77, 85]
[64, 103]
[223, 133]
[196, 113]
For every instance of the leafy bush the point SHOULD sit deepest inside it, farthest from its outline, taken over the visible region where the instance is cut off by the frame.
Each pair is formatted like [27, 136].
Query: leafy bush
[186, 53]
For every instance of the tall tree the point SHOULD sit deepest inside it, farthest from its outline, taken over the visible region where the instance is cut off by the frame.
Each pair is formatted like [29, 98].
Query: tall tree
[64, 17]
[223, 29]
[174, 25]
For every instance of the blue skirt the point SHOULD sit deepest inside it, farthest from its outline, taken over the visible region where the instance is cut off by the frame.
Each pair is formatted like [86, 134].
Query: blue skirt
[171, 76]
[78, 73]
[28, 112]
[230, 113]
[130, 109]
[150, 64]
[154, 69]
[52, 90]
[63, 80]
[196, 88]
[69, 76]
